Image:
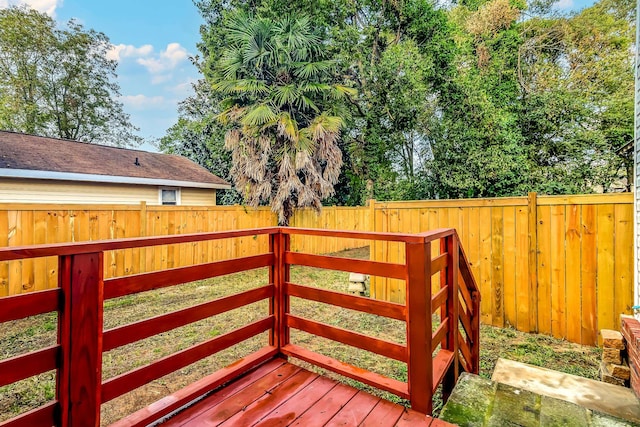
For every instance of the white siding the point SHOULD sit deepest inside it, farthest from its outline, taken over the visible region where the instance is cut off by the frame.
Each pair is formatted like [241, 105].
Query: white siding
[197, 197]
[41, 191]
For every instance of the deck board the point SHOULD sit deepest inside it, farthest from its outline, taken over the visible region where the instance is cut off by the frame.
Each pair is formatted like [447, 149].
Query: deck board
[383, 414]
[282, 394]
[355, 411]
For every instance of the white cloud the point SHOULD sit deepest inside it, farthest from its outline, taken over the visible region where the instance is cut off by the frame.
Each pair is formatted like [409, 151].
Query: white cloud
[118, 52]
[46, 6]
[167, 60]
[158, 64]
[161, 78]
[142, 101]
[564, 4]
[184, 89]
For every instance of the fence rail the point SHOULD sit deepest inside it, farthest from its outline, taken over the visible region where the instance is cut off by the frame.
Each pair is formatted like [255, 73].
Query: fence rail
[559, 265]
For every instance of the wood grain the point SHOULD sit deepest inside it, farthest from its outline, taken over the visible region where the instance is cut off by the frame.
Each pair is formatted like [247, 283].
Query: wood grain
[382, 347]
[352, 302]
[20, 306]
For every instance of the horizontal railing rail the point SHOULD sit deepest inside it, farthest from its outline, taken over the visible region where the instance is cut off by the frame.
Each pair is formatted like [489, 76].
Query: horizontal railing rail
[434, 353]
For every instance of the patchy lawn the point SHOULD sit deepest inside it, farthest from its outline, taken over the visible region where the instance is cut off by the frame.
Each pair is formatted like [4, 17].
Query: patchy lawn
[39, 331]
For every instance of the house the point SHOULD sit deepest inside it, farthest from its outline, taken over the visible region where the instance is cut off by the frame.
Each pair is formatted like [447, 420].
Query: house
[36, 169]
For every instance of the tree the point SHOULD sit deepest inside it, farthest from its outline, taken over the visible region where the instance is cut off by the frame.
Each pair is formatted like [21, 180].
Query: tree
[282, 107]
[477, 98]
[59, 82]
[199, 136]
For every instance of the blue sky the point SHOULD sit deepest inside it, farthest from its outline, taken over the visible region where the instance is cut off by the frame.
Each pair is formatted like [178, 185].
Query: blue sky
[152, 42]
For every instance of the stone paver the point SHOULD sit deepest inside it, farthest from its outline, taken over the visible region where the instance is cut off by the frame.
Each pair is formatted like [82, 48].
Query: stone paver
[469, 401]
[478, 402]
[619, 402]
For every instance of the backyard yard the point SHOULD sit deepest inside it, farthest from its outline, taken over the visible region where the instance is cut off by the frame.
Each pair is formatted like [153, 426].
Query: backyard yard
[29, 334]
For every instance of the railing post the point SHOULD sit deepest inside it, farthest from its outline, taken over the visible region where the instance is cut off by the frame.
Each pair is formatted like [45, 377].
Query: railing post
[280, 244]
[79, 377]
[418, 291]
[452, 274]
[475, 333]
[285, 271]
[274, 275]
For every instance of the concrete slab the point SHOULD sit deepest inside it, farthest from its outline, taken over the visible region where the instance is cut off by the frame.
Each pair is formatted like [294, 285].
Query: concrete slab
[556, 412]
[620, 402]
[469, 402]
[514, 407]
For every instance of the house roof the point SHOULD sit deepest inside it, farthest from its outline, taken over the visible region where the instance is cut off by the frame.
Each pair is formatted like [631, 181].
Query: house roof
[29, 156]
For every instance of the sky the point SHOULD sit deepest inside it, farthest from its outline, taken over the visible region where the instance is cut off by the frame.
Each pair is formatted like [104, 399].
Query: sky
[152, 42]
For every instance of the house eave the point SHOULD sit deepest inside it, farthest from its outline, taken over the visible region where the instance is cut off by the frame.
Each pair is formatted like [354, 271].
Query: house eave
[105, 179]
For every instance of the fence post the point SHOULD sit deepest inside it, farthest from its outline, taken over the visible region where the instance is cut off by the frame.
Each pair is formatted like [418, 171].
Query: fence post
[372, 214]
[79, 376]
[532, 207]
[418, 291]
[143, 233]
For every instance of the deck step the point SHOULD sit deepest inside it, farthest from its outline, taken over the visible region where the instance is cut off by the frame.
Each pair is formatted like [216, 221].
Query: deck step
[610, 399]
[481, 402]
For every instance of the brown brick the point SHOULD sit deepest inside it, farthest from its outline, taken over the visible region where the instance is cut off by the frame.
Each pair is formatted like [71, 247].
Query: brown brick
[606, 376]
[619, 371]
[612, 339]
[612, 355]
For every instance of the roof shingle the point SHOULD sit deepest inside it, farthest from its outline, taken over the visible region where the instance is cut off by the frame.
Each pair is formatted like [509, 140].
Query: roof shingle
[29, 152]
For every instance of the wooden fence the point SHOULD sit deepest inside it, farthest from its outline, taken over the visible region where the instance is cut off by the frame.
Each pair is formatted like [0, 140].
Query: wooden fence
[557, 265]
[38, 223]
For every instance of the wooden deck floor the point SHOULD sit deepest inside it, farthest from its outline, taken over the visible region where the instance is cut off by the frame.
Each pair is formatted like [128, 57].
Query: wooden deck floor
[281, 394]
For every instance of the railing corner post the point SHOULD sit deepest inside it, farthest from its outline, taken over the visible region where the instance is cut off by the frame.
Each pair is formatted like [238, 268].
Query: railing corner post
[419, 334]
[279, 275]
[80, 326]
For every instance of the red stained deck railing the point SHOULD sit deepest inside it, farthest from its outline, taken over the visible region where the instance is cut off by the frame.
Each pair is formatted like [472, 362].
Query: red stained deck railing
[432, 357]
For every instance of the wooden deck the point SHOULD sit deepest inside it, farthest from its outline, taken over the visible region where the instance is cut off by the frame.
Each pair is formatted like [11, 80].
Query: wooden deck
[261, 387]
[279, 393]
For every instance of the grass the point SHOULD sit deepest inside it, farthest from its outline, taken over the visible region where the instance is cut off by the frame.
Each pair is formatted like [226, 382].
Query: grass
[40, 331]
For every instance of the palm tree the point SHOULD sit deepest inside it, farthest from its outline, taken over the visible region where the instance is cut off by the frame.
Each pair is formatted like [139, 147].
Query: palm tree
[279, 94]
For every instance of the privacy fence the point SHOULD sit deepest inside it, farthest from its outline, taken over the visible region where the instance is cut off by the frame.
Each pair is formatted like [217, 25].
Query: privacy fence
[557, 265]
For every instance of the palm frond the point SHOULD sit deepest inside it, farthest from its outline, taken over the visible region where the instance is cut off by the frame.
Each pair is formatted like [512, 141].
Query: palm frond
[315, 87]
[305, 140]
[343, 91]
[306, 103]
[251, 86]
[306, 70]
[231, 114]
[258, 115]
[287, 94]
[323, 125]
[288, 127]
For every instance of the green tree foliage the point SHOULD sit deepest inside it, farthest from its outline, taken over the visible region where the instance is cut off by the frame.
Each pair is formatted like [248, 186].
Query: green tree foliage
[480, 98]
[281, 110]
[58, 82]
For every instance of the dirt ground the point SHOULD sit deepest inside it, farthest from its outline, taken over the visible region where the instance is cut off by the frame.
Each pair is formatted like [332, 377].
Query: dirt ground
[40, 331]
